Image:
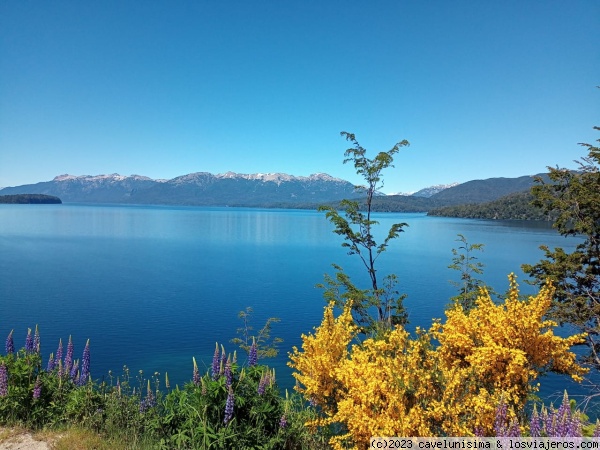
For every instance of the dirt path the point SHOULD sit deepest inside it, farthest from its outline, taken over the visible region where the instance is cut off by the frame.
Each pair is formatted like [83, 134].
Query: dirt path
[11, 439]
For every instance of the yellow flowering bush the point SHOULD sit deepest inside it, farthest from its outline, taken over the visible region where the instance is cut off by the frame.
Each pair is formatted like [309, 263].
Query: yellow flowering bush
[406, 386]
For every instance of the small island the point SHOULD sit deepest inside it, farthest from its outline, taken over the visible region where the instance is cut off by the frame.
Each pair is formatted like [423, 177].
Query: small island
[29, 199]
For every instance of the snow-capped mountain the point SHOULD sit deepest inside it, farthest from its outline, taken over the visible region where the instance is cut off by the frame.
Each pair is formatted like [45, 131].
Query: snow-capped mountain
[199, 188]
[432, 190]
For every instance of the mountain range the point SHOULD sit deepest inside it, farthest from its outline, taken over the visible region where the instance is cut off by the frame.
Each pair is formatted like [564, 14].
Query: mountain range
[260, 190]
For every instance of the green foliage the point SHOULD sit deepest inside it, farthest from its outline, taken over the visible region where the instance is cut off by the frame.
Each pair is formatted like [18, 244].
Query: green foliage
[356, 227]
[22, 199]
[574, 197]
[467, 264]
[266, 345]
[510, 207]
[136, 413]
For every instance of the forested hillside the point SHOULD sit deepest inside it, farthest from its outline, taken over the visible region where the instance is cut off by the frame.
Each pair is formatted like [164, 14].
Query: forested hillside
[510, 207]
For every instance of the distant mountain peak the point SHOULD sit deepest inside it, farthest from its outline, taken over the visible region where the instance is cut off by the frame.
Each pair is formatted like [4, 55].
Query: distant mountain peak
[432, 190]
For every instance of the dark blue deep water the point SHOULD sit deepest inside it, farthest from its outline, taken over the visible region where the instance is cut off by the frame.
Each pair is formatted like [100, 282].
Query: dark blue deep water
[153, 286]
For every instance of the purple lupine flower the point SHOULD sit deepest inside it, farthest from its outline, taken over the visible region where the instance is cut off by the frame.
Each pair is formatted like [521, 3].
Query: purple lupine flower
[223, 360]
[282, 422]
[74, 371]
[535, 427]
[501, 419]
[50, 366]
[262, 384]
[85, 364]
[575, 428]
[149, 401]
[215, 363]
[37, 389]
[196, 373]
[253, 355]
[36, 340]
[3, 380]
[10, 344]
[597, 429]
[229, 407]
[29, 342]
[514, 430]
[228, 374]
[58, 357]
[264, 380]
[563, 417]
[68, 358]
[479, 432]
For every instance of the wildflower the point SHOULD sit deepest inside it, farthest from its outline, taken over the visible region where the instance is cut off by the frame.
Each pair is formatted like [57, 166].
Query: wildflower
[29, 342]
[282, 422]
[10, 345]
[37, 389]
[85, 364]
[3, 380]
[229, 407]
[253, 355]
[535, 428]
[262, 384]
[228, 374]
[223, 360]
[69, 357]
[74, 371]
[203, 386]
[36, 340]
[167, 384]
[149, 401]
[58, 357]
[501, 419]
[597, 429]
[196, 374]
[215, 363]
[50, 366]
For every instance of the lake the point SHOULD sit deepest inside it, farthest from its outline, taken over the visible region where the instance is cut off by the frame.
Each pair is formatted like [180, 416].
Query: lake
[153, 286]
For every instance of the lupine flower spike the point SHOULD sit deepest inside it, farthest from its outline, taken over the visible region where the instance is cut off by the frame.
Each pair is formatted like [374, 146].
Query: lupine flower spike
[223, 359]
[253, 355]
[262, 384]
[29, 342]
[36, 340]
[597, 429]
[282, 422]
[58, 357]
[69, 358]
[535, 428]
[75, 371]
[50, 366]
[167, 384]
[228, 374]
[196, 374]
[85, 364]
[10, 344]
[215, 363]
[149, 401]
[229, 407]
[3, 380]
[37, 389]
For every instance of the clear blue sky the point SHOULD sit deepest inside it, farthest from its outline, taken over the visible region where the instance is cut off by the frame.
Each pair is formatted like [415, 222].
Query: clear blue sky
[480, 88]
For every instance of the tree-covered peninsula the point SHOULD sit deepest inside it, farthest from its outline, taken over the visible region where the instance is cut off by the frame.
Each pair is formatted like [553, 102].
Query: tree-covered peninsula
[29, 199]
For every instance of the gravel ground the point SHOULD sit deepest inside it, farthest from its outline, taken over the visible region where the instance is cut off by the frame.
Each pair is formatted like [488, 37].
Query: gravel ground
[17, 440]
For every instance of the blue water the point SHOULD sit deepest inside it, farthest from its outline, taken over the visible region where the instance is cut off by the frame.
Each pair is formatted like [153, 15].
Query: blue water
[153, 286]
